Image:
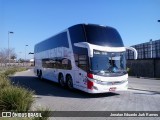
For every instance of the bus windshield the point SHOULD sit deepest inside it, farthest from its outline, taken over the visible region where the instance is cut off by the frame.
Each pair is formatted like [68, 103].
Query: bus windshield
[108, 63]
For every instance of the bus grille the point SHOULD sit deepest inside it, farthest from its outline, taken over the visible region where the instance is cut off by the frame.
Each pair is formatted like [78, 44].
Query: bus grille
[114, 82]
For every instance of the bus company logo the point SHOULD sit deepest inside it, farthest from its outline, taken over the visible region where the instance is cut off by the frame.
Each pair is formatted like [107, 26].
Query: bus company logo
[6, 114]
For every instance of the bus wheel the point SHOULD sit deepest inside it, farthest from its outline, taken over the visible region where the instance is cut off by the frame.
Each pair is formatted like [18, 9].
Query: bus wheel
[61, 80]
[40, 75]
[69, 82]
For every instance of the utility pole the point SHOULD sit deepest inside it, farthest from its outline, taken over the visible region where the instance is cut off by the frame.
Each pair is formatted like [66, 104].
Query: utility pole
[25, 53]
[9, 32]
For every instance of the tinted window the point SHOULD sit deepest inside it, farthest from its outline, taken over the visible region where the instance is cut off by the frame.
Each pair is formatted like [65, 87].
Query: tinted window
[58, 63]
[104, 36]
[59, 40]
[77, 35]
[81, 61]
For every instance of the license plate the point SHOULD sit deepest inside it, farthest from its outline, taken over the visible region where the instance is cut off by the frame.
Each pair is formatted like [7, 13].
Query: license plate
[112, 89]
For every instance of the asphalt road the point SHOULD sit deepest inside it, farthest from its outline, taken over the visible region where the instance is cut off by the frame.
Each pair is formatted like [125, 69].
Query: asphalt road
[143, 95]
[144, 84]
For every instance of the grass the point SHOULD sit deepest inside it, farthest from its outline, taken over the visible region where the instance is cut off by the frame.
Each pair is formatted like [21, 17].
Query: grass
[4, 82]
[11, 71]
[4, 73]
[12, 97]
[15, 98]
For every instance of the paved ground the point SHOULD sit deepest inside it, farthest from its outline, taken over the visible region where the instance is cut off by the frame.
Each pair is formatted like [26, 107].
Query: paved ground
[144, 84]
[143, 95]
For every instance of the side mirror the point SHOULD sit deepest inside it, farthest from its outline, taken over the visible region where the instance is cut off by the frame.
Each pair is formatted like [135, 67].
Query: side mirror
[134, 50]
[30, 53]
[81, 44]
[85, 45]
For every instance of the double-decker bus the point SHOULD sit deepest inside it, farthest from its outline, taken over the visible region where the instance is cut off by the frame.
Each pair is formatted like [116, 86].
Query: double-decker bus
[88, 57]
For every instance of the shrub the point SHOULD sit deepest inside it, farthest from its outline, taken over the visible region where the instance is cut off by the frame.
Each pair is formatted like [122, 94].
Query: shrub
[129, 71]
[15, 98]
[4, 82]
[19, 69]
[11, 71]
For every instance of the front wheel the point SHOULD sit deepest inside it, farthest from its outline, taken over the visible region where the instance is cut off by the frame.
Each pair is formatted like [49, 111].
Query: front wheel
[69, 82]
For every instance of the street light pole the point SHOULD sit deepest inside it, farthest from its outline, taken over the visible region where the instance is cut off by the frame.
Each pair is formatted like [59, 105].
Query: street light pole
[9, 32]
[158, 20]
[25, 52]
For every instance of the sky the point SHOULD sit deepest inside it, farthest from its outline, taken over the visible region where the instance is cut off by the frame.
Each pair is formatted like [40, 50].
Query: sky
[35, 20]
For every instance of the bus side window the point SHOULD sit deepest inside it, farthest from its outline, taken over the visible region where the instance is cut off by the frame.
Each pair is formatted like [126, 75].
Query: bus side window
[81, 61]
[76, 59]
[66, 64]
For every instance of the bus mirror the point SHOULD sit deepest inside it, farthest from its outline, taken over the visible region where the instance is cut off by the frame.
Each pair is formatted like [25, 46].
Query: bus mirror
[85, 45]
[134, 50]
[81, 44]
[30, 53]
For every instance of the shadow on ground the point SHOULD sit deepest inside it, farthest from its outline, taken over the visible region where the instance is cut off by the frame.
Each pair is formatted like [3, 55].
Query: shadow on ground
[147, 92]
[49, 88]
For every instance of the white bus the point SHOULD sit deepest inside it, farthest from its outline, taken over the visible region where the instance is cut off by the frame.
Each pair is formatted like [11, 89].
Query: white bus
[87, 57]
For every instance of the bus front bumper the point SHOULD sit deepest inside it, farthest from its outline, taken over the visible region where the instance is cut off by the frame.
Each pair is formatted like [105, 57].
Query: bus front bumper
[99, 88]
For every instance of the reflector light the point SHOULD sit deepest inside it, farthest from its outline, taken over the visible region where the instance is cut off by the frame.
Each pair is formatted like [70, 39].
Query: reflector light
[89, 75]
[89, 84]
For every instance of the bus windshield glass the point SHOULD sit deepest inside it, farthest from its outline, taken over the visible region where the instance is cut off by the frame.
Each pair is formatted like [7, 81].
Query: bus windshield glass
[108, 62]
[103, 36]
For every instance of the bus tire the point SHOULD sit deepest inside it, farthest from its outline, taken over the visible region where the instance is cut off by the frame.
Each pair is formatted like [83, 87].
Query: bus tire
[40, 75]
[69, 82]
[61, 80]
[37, 72]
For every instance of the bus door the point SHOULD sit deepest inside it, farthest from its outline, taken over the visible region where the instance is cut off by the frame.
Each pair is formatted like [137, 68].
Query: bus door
[80, 72]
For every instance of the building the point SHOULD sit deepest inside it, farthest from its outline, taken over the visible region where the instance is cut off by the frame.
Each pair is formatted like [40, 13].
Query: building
[146, 50]
[148, 62]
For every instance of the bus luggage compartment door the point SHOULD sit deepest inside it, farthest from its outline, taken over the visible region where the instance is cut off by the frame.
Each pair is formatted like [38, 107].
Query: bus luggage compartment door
[80, 79]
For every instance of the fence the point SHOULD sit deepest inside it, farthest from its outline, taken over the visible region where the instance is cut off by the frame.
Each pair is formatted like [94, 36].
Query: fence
[144, 67]
[16, 64]
[146, 50]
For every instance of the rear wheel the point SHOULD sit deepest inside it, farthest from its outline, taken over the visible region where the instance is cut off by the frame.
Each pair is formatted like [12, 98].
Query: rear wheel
[61, 80]
[69, 82]
[40, 75]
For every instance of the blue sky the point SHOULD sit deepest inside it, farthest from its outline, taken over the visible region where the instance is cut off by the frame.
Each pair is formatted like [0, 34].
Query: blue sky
[35, 20]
